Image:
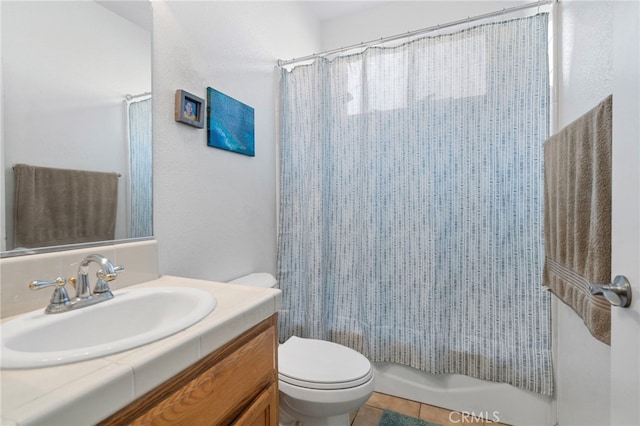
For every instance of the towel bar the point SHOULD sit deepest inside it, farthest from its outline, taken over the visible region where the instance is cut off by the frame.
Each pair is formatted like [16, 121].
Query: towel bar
[617, 293]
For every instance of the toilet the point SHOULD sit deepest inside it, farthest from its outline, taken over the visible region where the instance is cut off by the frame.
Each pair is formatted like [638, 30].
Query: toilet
[320, 382]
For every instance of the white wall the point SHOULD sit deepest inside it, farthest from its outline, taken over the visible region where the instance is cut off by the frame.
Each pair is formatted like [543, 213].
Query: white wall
[60, 111]
[214, 210]
[585, 74]
[399, 17]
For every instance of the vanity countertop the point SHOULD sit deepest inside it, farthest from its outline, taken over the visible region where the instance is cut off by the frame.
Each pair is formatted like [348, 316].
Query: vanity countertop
[86, 392]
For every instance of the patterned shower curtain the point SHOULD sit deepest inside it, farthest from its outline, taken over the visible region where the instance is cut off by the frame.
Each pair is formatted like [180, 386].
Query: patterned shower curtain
[141, 169]
[411, 203]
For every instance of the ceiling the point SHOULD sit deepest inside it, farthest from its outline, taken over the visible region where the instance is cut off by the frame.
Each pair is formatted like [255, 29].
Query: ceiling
[329, 9]
[139, 11]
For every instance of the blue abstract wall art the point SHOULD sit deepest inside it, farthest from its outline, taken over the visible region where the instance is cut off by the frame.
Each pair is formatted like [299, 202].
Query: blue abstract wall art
[230, 124]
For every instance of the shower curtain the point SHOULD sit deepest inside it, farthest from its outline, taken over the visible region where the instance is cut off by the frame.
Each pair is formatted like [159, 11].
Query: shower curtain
[411, 203]
[141, 169]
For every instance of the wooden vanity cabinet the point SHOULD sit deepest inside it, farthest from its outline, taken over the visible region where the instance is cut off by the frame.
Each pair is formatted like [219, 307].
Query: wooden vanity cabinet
[235, 385]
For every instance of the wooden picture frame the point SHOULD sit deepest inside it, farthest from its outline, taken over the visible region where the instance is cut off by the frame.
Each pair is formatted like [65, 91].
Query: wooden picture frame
[190, 109]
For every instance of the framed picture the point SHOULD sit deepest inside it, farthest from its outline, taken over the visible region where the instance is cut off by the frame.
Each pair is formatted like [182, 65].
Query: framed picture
[189, 109]
[230, 124]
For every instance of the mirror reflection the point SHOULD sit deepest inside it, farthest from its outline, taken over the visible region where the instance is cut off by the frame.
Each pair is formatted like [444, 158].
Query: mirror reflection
[76, 89]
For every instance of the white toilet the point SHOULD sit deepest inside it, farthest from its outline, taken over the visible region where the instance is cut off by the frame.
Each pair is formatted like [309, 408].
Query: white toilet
[320, 382]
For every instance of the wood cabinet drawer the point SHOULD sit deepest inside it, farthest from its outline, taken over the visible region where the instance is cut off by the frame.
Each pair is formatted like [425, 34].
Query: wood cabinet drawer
[216, 390]
[263, 411]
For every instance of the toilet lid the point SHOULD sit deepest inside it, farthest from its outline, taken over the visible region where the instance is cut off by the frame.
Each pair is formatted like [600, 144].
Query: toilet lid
[257, 279]
[318, 364]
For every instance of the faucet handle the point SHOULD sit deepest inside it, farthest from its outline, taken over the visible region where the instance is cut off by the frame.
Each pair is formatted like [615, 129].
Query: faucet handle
[40, 284]
[110, 276]
[102, 285]
[59, 299]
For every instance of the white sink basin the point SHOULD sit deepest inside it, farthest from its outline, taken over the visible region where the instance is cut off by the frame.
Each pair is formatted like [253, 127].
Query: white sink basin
[132, 318]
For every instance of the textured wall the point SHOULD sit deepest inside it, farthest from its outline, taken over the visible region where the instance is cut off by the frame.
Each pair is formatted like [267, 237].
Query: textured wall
[398, 17]
[215, 211]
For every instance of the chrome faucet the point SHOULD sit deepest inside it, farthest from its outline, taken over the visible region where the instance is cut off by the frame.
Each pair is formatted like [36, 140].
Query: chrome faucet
[60, 302]
[106, 273]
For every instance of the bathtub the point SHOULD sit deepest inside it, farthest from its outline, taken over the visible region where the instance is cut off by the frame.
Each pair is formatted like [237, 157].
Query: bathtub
[497, 402]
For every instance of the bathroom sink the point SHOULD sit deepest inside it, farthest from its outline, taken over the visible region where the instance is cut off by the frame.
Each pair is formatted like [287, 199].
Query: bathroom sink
[134, 317]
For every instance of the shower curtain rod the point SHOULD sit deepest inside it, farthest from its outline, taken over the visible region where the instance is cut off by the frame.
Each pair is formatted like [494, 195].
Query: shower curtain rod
[382, 40]
[141, 95]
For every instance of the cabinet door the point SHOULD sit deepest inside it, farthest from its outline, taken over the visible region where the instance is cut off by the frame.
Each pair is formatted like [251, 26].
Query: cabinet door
[263, 411]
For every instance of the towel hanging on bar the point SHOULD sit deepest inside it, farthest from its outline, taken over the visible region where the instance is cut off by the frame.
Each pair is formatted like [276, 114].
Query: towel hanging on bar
[61, 206]
[577, 220]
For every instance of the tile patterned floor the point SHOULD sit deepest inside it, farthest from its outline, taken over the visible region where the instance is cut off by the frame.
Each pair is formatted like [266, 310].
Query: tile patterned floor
[370, 413]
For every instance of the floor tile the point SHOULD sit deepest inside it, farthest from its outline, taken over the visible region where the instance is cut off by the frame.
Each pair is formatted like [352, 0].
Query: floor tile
[352, 415]
[368, 416]
[370, 413]
[404, 406]
[434, 414]
[455, 418]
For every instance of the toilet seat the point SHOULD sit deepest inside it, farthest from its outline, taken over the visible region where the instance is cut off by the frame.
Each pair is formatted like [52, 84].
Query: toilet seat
[322, 365]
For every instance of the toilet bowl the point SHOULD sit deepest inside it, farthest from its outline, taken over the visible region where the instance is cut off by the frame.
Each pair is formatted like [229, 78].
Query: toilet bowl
[320, 382]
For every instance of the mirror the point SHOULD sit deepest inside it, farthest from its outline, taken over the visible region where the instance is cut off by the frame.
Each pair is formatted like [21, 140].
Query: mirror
[76, 88]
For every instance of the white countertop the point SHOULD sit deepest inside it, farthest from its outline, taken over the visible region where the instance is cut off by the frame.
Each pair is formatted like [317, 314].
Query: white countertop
[86, 392]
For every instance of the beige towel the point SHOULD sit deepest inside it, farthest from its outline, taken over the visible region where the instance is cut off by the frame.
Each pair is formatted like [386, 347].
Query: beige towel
[577, 223]
[59, 206]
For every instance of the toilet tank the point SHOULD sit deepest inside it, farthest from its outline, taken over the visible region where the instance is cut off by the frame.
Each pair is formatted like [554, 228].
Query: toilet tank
[258, 279]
